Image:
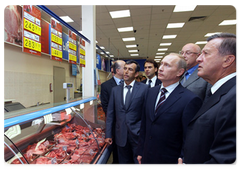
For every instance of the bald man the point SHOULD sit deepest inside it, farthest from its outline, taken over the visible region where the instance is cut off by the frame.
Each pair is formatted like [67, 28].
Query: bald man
[190, 79]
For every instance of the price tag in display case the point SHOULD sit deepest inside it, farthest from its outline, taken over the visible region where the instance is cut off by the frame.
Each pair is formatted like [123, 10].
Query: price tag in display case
[31, 30]
[56, 40]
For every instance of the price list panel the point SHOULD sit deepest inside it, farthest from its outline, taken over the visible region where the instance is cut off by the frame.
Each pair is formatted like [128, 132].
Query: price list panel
[82, 53]
[72, 52]
[31, 30]
[56, 40]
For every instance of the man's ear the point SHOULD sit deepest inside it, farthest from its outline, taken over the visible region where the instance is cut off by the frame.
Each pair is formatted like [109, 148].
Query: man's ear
[180, 72]
[136, 74]
[228, 60]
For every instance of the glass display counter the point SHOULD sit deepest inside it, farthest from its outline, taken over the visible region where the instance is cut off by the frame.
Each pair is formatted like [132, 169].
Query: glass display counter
[60, 133]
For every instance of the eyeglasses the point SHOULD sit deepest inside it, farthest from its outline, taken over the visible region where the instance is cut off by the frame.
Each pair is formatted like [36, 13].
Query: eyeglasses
[187, 52]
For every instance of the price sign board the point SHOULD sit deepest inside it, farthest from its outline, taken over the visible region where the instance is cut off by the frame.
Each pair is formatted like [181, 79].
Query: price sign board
[72, 52]
[31, 30]
[82, 53]
[56, 40]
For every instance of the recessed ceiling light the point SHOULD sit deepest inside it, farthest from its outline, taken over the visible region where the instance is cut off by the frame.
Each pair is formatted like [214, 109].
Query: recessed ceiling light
[160, 53]
[131, 46]
[125, 29]
[132, 51]
[102, 47]
[129, 39]
[229, 22]
[162, 49]
[169, 36]
[181, 8]
[201, 42]
[175, 25]
[134, 54]
[111, 55]
[66, 19]
[158, 56]
[210, 34]
[165, 44]
[120, 14]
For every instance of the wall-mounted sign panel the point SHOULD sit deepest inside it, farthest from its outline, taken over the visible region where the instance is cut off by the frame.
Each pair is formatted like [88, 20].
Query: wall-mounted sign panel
[56, 40]
[72, 52]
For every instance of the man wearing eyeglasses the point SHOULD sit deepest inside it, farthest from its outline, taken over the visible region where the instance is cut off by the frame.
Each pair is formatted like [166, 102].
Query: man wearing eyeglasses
[190, 79]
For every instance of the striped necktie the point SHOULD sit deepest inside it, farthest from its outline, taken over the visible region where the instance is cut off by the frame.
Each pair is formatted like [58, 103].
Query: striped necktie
[161, 100]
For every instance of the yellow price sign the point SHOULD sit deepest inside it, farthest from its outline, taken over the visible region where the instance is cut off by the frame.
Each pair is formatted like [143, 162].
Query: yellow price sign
[82, 61]
[56, 53]
[32, 44]
[72, 46]
[32, 27]
[72, 57]
[56, 39]
[82, 51]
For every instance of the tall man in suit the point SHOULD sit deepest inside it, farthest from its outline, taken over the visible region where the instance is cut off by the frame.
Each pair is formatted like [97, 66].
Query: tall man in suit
[151, 69]
[191, 80]
[211, 135]
[126, 105]
[168, 110]
[106, 89]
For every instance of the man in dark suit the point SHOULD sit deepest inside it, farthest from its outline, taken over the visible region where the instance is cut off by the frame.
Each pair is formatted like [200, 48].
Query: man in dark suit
[126, 105]
[106, 89]
[211, 135]
[168, 110]
[191, 80]
[151, 69]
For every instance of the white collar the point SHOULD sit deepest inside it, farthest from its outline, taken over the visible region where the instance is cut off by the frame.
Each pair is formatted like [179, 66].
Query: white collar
[171, 87]
[132, 83]
[153, 79]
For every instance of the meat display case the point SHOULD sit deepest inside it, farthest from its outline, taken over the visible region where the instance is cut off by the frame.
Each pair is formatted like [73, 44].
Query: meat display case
[62, 133]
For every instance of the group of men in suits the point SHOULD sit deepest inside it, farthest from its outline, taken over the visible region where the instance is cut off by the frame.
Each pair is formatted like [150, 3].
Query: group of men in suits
[163, 120]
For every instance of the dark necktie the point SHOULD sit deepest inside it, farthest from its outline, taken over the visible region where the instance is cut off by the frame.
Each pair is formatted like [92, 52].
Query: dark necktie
[121, 82]
[208, 95]
[161, 100]
[128, 96]
[149, 83]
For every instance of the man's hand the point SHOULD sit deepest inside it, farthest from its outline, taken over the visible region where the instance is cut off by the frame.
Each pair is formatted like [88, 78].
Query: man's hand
[180, 161]
[139, 158]
[108, 140]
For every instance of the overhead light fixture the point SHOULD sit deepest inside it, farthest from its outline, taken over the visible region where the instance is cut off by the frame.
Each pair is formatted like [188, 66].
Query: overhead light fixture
[125, 29]
[129, 39]
[120, 14]
[165, 44]
[201, 42]
[169, 36]
[131, 46]
[158, 56]
[160, 53]
[112, 56]
[229, 22]
[132, 51]
[210, 34]
[181, 8]
[66, 19]
[162, 49]
[134, 54]
[102, 47]
[175, 25]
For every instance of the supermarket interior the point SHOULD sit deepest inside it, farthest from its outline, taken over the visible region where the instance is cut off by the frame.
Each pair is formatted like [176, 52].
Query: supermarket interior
[57, 56]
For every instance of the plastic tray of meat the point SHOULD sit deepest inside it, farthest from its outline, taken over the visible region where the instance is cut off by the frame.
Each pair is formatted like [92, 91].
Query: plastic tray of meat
[45, 160]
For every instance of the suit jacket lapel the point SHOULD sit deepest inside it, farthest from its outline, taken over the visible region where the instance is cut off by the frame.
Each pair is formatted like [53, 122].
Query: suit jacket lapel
[172, 98]
[215, 98]
[152, 104]
[192, 78]
[134, 92]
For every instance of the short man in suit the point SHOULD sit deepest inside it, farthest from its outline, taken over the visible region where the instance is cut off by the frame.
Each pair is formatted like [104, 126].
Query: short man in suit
[126, 105]
[168, 110]
[151, 69]
[191, 80]
[106, 89]
[211, 135]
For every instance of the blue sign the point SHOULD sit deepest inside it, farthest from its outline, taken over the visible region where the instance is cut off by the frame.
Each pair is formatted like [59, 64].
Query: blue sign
[65, 46]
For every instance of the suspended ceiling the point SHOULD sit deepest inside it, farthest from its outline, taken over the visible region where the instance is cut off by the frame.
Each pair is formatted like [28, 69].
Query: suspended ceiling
[150, 24]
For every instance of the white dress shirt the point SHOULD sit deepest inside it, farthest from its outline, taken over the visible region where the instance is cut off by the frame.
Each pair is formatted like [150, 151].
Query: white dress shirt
[125, 90]
[154, 79]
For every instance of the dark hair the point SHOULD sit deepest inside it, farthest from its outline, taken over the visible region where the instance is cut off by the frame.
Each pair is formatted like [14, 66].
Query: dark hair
[133, 61]
[155, 64]
[228, 45]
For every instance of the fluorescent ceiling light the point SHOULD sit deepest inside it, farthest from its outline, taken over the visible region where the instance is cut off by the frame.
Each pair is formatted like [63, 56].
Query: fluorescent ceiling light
[66, 19]
[125, 29]
[229, 22]
[132, 51]
[165, 44]
[162, 49]
[129, 39]
[210, 34]
[107, 52]
[160, 53]
[169, 36]
[158, 56]
[111, 55]
[201, 42]
[175, 25]
[181, 8]
[131, 46]
[120, 14]
[102, 47]
[134, 54]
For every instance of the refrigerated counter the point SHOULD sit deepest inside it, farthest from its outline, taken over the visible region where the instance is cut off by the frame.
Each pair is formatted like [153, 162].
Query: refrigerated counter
[59, 133]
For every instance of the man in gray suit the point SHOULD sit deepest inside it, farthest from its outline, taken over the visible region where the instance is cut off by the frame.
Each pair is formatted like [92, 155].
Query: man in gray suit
[190, 79]
[126, 105]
